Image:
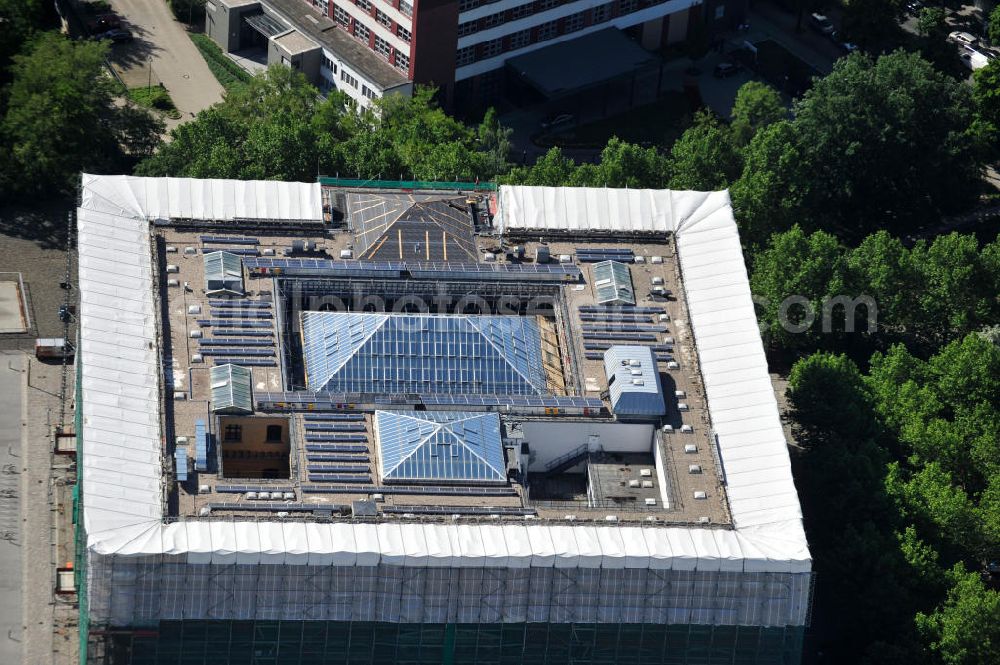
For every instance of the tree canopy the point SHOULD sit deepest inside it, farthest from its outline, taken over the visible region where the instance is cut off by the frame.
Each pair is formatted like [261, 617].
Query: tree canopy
[276, 127]
[62, 118]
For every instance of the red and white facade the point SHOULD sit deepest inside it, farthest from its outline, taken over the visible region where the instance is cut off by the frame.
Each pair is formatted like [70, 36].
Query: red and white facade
[463, 44]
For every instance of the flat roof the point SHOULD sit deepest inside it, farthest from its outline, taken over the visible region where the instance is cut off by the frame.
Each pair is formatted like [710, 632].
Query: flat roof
[578, 63]
[712, 324]
[294, 42]
[321, 28]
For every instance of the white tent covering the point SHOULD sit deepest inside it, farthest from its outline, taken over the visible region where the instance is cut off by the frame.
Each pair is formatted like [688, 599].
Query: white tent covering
[121, 439]
[191, 198]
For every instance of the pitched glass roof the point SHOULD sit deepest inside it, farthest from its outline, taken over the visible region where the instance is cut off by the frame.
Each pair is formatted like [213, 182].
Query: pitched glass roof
[422, 353]
[440, 446]
[231, 389]
[613, 283]
[223, 272]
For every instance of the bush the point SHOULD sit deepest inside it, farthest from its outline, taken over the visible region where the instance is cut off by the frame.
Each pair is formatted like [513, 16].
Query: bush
[227, 72]
[155, 98]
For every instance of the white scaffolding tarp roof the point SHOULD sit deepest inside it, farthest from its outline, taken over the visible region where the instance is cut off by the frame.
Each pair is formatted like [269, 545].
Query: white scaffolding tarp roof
[121, 437]
[191, 198]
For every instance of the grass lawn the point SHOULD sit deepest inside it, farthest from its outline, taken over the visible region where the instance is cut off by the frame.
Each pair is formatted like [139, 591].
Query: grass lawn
[155, 98]
[659, 123]
[227, 72]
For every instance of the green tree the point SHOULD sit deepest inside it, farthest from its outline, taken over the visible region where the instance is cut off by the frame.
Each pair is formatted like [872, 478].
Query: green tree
[266, 129]
[62, 117]
[830, 401]
[628, 165]
[965, 629]
[931, 22]
[993, 26]
[790, 280]
[705, 157]
[885, 145]
[553, 169]
[19, 20]
[986, 94]
[872, 23]
[494, 142]
[768, 197]
[882, 268]
[757, 105]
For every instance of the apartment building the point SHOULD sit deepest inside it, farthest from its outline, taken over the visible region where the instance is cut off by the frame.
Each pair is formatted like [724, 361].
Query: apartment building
[370, 48]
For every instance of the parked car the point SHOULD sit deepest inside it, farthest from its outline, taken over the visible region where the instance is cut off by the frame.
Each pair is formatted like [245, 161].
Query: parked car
[725, 70]
[914, 7]
[848, 47]
[118, 35]
[973, 59]
[962, 38]
[555, 120]
[821, 24]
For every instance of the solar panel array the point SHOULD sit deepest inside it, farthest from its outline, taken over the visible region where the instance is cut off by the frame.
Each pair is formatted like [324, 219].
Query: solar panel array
[229, 240]
[313, 401]
[339, 478]
[200, 446]
[224, 313]
[620, 309]
[223, 302]
[597, 254]
[418, 270]
[414, 490]
[335, 448]
[334, 438]
[335, 427]
[458, 510]
[232, 323]
[243, 489]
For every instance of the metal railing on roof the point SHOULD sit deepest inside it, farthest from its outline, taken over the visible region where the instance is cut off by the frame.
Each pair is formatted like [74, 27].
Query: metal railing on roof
[408, 184]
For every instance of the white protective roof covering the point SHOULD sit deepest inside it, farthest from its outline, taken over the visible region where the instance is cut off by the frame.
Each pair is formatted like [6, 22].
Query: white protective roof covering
[191, 198]
[586, 209]
[122, 452]
[118, 351]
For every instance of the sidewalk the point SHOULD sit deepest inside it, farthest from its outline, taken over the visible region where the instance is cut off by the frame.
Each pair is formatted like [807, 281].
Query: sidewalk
[163, 43]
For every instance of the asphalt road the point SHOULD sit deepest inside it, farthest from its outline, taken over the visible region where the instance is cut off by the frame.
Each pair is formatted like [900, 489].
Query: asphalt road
[11, 396]
[163, 42]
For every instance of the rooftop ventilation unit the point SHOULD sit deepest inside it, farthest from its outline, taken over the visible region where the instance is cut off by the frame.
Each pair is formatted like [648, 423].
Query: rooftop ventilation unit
[690, 448]
[700, 495]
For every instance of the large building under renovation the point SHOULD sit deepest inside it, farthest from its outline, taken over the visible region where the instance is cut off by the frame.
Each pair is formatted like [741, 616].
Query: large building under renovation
[327, 423]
